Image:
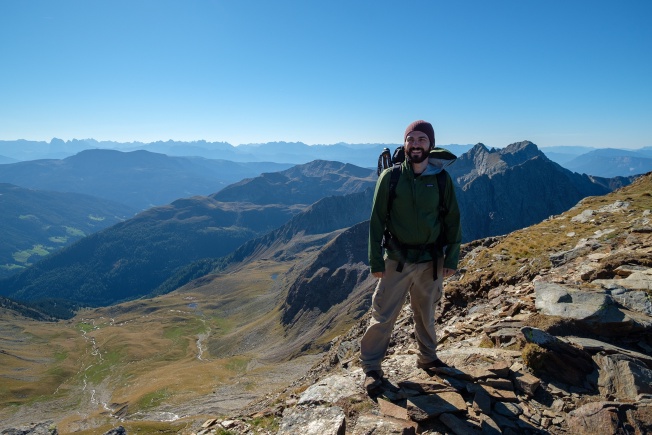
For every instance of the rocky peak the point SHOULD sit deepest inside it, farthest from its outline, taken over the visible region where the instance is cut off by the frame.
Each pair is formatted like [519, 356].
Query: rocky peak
[481, 161]
[520, 152]
[478, 148]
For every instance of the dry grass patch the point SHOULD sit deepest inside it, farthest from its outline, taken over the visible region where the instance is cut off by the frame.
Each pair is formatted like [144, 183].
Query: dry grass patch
[140, 428]
[37, 358]
[266, 423]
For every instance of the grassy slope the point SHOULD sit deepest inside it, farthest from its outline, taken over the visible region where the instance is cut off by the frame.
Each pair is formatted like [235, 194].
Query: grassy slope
[36, 223]
[181, 352]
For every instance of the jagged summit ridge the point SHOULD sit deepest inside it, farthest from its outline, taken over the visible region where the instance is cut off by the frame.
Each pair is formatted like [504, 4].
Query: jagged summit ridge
[481, 160]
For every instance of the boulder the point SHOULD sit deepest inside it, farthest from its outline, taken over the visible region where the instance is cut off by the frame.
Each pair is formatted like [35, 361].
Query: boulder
[596, 311]
[623, 377]
[319, 420]
[598, 418]
[556, 358]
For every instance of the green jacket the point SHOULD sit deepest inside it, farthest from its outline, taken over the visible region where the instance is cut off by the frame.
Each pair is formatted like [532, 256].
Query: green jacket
[414, 218]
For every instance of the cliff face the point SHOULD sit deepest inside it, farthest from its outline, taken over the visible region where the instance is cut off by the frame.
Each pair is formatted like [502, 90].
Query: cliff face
[339, 269]
[502, 190]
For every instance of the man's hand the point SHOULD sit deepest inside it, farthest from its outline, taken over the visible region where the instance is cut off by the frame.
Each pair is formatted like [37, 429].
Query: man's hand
[378, 274]
[449, 272]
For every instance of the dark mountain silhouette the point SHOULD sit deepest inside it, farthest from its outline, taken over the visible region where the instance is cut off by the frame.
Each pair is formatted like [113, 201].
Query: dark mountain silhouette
[132, 258]
[140, 179]
[34, 223]
[501, 190]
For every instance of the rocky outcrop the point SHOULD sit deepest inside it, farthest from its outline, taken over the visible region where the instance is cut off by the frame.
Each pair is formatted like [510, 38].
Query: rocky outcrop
[496, 185]
[339, 268]
[43, 428]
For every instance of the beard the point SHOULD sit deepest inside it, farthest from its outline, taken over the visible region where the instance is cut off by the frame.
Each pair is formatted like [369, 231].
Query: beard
[418, 158]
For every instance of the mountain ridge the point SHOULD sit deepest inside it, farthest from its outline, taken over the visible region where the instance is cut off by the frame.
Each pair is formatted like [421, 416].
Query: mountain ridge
[152, 241]
[298, 152]
[612, 162]
[140, 179]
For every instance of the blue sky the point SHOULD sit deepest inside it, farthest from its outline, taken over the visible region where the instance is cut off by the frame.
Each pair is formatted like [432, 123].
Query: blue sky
[556, 72]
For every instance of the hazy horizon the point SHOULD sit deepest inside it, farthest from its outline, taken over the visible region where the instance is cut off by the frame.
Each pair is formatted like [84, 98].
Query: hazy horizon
[48, 142]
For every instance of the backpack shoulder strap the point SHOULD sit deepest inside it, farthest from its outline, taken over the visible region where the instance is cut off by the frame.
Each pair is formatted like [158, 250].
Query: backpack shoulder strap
[393, 181]
[441, 183]
[443, 210]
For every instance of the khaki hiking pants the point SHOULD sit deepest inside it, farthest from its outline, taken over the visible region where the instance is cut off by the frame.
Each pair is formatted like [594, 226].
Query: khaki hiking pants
[387, 301]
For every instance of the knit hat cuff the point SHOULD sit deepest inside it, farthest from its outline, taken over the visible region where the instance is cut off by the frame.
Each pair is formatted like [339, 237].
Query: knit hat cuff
[423, 127]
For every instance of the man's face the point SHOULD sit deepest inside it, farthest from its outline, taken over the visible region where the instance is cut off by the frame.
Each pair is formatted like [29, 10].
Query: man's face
[417, 146]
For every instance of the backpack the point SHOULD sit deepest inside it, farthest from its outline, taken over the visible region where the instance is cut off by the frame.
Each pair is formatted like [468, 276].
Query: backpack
[386, 159]
[391, 242]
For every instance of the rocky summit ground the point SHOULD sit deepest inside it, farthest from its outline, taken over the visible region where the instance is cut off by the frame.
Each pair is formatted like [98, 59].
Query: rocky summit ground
[546, 330]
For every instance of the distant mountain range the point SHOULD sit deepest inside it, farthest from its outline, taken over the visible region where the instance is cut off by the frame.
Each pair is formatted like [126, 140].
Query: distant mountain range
[279, 152]
[4, 160]
[138, 179]
[591, 161]
[499, 191]
[610, 162]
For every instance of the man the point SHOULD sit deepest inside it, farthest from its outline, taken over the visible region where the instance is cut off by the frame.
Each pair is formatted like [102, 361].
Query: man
[415, 259]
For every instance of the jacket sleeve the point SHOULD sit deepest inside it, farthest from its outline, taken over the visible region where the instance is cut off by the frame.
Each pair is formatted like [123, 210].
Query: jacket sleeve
[377, 222]
[453, 227]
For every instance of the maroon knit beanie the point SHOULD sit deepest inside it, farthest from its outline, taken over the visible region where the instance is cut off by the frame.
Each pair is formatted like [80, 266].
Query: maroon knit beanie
[423, 127]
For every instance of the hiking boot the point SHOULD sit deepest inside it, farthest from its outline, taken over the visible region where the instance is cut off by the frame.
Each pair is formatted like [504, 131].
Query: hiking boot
[434, 364]
[373, 381]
